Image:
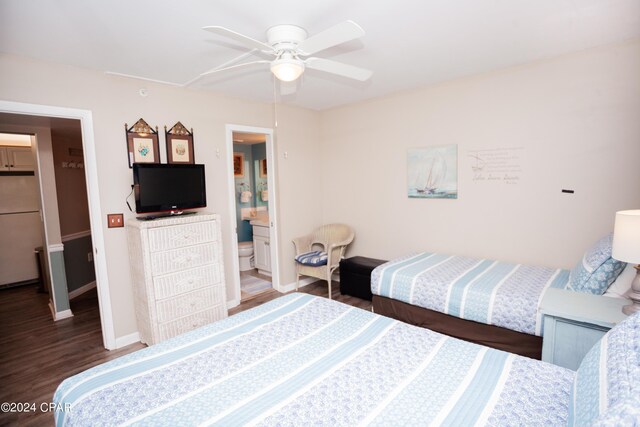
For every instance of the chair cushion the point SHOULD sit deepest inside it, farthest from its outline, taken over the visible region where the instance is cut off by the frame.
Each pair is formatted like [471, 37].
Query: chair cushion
[313, 258]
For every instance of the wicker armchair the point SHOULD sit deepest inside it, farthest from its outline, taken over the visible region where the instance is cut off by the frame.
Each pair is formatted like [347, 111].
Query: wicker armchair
[331, 238]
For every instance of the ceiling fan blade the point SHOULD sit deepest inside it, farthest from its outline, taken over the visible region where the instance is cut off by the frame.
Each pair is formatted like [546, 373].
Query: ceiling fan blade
[338, 34]
[247, 41]
[339, 68]
[146, 79]
[228, 63]
[246, 65]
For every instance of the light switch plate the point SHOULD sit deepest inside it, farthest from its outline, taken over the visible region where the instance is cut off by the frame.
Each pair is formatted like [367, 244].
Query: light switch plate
[115, 220]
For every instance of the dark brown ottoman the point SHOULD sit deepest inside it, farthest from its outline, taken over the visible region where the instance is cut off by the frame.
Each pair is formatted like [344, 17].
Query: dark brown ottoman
[355, 276]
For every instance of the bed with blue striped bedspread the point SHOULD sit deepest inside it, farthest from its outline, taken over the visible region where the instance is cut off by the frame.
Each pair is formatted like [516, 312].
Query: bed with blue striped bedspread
[485, 291]
[305, 360]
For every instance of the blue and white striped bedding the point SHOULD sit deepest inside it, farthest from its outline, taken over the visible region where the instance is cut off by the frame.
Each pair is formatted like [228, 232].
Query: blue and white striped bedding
[607, 384]
[485, 291]
[305, 360]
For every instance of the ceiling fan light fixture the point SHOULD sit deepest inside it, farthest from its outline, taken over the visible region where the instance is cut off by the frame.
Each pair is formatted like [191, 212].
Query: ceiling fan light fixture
[287, 69]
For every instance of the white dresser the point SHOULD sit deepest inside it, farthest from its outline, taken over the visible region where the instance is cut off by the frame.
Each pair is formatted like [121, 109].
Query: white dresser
[177, 273]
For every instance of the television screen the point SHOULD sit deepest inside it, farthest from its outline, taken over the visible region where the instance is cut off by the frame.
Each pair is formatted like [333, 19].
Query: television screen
[161, 188]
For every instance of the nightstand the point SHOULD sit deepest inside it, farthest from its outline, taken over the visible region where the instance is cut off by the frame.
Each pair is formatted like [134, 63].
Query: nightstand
[574, 322]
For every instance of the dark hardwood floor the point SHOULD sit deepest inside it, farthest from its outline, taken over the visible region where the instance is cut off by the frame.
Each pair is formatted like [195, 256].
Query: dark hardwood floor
[316, 288]
[36, 353]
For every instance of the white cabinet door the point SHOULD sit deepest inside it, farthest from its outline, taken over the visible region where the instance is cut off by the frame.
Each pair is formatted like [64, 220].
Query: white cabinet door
[16, 159]
[4, 159]
[262, 253]
[20, 159]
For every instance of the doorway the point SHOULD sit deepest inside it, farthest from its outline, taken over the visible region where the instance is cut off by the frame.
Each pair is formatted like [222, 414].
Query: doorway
[252, 202]
[44, 114]
[43, 204]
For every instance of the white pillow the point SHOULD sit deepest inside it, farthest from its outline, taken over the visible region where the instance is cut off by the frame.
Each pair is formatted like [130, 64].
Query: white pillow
[620, 287]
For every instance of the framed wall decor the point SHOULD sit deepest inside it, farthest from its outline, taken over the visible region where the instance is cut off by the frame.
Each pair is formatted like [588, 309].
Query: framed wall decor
[432, 172]
[263, 168]
[142, 143]
[179, 144]
[238, 165]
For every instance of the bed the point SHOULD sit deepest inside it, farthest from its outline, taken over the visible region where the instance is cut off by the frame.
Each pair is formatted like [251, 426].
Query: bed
[307, 360]
[484, 301]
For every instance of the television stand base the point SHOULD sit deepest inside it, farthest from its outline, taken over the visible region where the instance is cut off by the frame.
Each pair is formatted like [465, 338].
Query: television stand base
[165, 215]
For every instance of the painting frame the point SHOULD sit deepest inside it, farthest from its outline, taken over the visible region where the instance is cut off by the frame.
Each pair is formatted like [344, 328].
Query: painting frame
[142, 143]
[263, 168]
[238, 165]
[179, 145]
[432, 172]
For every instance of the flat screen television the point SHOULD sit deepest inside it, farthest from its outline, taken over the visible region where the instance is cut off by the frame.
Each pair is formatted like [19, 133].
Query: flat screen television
[168, 188]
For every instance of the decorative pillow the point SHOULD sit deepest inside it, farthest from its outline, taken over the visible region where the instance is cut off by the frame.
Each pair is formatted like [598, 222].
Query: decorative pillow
[608, 376]
[313, 258]
[596, 270]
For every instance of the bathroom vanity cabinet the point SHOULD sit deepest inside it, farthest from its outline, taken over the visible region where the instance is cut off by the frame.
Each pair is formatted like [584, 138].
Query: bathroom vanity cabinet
[262, 249]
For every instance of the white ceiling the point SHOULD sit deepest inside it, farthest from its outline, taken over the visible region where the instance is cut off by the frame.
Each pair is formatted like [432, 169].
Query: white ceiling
[408, 43]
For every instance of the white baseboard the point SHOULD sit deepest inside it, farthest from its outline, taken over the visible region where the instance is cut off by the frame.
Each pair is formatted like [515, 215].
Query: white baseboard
[335, 278]
[292, 286]
[82, 289]
[65, 314]
[233, 303]
[59, 315]
[127, 340]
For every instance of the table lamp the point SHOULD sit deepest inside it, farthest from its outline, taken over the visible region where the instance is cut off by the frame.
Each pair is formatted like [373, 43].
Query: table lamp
[626, 248]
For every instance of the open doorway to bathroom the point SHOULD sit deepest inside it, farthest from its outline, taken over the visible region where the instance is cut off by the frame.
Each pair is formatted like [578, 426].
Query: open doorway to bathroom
[251, 192]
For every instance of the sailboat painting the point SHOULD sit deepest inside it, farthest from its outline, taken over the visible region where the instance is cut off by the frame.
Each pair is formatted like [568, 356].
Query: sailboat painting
[432, 172]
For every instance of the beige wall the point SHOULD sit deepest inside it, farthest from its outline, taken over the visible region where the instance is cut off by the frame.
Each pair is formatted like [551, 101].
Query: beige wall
[299, 175]
[71, 186]
[115, 101]
[576, 119]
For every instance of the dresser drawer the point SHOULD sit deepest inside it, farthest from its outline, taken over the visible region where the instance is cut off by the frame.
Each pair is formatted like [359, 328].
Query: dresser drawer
[186, 281]
[179, 236]
[193, 321]
[184, 258]
[191, 302]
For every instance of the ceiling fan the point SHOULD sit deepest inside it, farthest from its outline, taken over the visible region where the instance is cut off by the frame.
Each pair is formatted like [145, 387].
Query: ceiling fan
[292, 50]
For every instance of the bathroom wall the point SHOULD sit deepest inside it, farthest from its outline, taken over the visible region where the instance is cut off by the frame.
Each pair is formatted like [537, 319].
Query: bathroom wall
[245, 233]
[259, 153]
[251, 181]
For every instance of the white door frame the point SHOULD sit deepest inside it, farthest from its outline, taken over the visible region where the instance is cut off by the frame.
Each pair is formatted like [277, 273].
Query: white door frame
[273, 214]
[93, 194]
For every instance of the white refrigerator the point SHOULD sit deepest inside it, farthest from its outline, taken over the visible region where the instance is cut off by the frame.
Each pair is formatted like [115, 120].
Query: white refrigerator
[20, 228]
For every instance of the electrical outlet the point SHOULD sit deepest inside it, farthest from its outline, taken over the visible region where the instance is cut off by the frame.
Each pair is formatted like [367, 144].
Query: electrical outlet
[115, 220]
[89, 256]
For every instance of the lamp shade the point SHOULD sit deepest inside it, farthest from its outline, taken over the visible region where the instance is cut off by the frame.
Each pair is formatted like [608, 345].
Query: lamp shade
[287, 68]
[626, 236]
